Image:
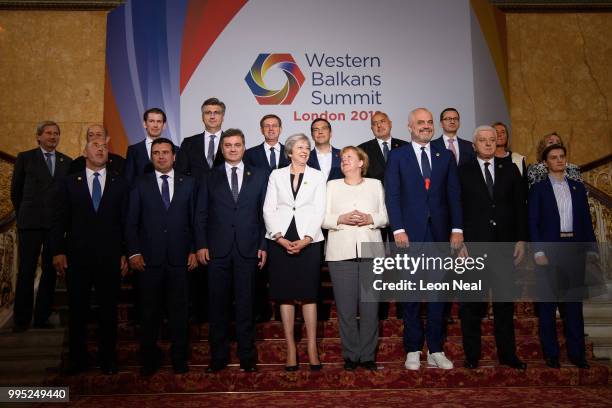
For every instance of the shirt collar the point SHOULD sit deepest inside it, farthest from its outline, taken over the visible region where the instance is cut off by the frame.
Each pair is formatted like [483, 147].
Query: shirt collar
[217, 134]
[89, 172]
[45, 152]
[481, 162]
[228, 167]
[553, 180]
[170, 174]
[149, 140]
[276, 146]
[447, 138]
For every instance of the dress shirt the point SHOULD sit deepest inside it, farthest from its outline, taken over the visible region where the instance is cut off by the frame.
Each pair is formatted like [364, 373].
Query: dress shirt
[52, 158]
[277, 153]
[564, 203]
[417, 153]
[148, 143]
[90, 178]
[207, 141]
[325, 160]
[170, 175]
[239, 172]
[481, 163]
[380, 144]
[456, 142]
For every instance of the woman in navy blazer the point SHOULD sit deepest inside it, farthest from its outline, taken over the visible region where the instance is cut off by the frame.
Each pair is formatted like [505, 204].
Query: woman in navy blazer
[293, 212]
[561, 260]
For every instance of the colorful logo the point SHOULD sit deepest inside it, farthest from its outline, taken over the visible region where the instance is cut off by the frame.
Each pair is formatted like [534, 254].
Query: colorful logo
[287, 93]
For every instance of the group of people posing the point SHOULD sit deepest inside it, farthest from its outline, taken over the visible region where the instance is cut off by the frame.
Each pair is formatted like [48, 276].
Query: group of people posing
[165, 211]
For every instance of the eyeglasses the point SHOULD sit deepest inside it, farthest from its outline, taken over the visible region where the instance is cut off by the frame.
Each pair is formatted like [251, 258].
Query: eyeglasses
[451, 119]
[213, 113]
[321, 129]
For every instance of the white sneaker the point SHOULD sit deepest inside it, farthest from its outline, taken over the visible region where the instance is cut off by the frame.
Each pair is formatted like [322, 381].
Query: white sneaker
[413, 360]
[439, 360]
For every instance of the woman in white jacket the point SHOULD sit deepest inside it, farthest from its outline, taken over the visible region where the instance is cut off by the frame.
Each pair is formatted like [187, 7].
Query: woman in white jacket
[355, 212]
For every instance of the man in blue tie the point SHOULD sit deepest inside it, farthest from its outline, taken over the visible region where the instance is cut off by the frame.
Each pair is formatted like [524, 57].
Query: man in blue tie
[422, 193]
[87, 244]
[270, 154]
[160, 241]
[35, 197]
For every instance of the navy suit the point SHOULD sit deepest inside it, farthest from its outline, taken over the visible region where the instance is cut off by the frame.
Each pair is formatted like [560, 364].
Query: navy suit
[335, 172]
[376, 169]
[256, 157]
[466, 149]
[426, 216]
[164, 237]
[35, 195]
[191, 159]
[233, 232]
[564, 259]
[93, 244]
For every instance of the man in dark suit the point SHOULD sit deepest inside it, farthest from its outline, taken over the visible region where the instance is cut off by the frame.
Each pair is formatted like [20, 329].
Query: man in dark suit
[202, 152]
[87, 246]
[160, 239]
[230, 240]
[270, 154]
[138, 158]
[378, 148]
[461, 149]
[422, 193]
[115, 164]
[35, 197]
[324, 156]
[494, 210]
[561, 232]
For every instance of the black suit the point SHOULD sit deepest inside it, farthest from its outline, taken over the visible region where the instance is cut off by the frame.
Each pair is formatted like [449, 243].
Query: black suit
[35, 197]
[233, 232]
[137, 161]
[164, 238]
[93, 244]
[501, 218]
[115, 165]
[191, 159]
[377, 161]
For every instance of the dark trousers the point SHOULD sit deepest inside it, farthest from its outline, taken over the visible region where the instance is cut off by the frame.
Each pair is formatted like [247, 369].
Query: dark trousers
[224, 273]
[105, 277]
[158, 284]
[573, 324]
[503, 326]
[30, 242]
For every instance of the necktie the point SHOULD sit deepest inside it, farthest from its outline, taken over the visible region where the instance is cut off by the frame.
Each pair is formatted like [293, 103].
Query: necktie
[385, 150]
[272, 158]
[165, 190]
[49, 162]
[210, 157]
[96, 191]
[489, 179]
[235, 183]
[451, 147]
[425, 167]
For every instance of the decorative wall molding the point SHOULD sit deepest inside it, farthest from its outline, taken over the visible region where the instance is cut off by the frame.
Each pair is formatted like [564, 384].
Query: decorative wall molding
[59, 4]
[559, 6]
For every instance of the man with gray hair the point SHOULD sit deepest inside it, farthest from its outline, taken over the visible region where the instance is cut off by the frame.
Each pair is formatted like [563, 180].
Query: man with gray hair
[34, 193]
[115, 163]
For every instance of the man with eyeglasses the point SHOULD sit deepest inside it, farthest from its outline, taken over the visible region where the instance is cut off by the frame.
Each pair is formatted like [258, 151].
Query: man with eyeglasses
[461, 149]
[324, 156]
[115, 163]
[200, 153]
[270, 154]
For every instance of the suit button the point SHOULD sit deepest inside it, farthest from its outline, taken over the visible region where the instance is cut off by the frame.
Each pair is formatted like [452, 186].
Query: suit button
[165, 230]
[293, 208]
[493, 206]
[491, 222]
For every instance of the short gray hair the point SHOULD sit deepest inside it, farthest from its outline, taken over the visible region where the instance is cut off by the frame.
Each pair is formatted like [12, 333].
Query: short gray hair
[483, 128]
[292, 140]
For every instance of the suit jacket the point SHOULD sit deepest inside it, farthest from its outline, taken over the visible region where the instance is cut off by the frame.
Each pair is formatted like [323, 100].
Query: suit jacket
[115, 165]
[34, 192]
[544, 222]
[501, 218]
[335, 172]
[410, 205]
[161, 236]
[466, 149]
[83, 234]
[137, 161]
[222, 223]
[308, 207]
[191, 159]
[377, 161]
[256, 157]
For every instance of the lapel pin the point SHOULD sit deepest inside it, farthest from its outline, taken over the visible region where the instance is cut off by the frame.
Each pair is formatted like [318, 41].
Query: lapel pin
[248, 173]
[305, 182]
[500, 166]
[79, 178]
[180, 179]
[437, 154]
[574, 187]
[61, 159]
[395, 145]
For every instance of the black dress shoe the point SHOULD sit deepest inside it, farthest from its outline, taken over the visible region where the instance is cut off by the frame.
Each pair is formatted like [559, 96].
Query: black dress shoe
[248, 367]
[350, 365]
[148, 370]
[514, 363]
[470, 364]
[180, 368]
[369, 365]
[581, 363]
[292, 368]
[552, 362]
[316, 367]
[109, 368]
[215, 367]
